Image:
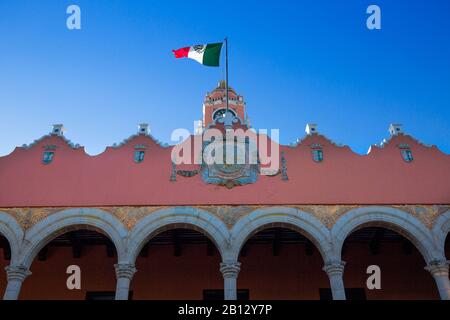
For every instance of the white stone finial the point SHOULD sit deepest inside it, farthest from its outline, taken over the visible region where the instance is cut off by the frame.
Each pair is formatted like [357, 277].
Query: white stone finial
[58, 130]
[143, 128]
[395, 129]
[311, 128]
[198, 127]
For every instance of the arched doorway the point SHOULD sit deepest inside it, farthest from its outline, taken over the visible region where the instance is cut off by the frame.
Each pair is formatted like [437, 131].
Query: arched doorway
[5, 258]
[90, 250]
[281, 263]
[178, 263]
[401, 265]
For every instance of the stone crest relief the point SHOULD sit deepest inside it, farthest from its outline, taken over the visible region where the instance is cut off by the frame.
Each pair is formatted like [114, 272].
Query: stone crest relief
[234, 170]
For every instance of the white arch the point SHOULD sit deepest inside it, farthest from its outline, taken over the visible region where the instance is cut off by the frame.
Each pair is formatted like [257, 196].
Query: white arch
[58, 223]
[440, 230]
[387, 217]
[288, 217]
[177, 217]
[13, 232]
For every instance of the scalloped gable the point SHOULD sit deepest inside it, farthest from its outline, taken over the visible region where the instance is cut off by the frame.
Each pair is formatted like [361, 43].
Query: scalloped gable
[75, 178]
[46, 140]
[49, 136]
[62, 141]
[134, 136]
[308, 138]
[393, 142]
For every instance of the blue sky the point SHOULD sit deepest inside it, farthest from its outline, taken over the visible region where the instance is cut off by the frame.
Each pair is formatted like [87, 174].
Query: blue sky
[294, 62]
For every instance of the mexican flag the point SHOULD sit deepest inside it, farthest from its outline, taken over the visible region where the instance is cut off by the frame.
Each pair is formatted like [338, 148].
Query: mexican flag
[206, 54]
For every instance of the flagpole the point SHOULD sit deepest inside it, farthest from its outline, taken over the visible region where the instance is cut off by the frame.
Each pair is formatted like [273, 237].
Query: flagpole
[226, 70]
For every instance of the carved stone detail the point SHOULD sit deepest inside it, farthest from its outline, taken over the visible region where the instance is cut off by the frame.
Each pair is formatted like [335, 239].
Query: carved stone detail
[327, 214]
[334, 268]
[125, 270]
[28, 217]
[129, 216]
[230, 270]
[18, 273]
[427, 214]
[230, 214]
[438, 268]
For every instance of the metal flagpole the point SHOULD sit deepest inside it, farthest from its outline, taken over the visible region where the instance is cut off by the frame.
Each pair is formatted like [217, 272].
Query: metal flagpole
[226, 70]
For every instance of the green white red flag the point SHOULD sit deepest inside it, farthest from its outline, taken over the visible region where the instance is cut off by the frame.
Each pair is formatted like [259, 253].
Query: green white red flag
[206, 54]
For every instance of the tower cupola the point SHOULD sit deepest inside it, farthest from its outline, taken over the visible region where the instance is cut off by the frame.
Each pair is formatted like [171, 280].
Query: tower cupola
[214, 105]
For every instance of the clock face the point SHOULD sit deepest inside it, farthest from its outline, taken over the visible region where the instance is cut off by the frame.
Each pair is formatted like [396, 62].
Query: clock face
[221, 112]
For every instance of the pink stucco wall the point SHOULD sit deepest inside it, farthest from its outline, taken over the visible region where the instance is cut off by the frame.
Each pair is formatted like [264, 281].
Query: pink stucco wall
[112, 178]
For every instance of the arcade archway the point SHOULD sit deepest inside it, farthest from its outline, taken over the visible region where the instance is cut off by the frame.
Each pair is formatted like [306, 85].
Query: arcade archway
[400, 262]
[178, 263]
[279, 262]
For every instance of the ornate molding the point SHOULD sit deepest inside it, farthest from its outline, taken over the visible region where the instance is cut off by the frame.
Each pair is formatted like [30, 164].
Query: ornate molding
[28, 217]
[427, 214]
[230, 214]
[18, 273]
[187, 173]
[230, 269]
[438, 268]
[125, 270]
[66, 141]
[125, 141]
[129, 216]
[327, 214]
[334, 268]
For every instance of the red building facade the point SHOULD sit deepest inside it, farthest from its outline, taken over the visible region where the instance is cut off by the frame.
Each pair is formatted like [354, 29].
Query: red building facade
[141, 226]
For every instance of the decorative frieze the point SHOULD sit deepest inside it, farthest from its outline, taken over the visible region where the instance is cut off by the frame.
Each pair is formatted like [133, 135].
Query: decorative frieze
[230, 214]
[130, 216]
[427, 214]
[327, 214]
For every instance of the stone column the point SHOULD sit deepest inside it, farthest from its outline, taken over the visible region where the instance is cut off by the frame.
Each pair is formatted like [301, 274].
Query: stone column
[15, 274]
[230, 272]
[124, 274]
[439, 271]
[335, 272]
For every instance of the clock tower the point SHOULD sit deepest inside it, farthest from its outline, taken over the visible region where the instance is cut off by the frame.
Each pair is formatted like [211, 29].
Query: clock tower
[214, 105]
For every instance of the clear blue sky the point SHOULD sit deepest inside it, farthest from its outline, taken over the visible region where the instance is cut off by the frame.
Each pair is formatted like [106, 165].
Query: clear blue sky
[294, 62]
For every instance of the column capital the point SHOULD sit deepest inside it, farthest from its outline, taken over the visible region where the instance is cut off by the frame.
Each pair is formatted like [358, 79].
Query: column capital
[230, 269]
[334, 267]
[17, 272]
[438, 267]
[125, 270]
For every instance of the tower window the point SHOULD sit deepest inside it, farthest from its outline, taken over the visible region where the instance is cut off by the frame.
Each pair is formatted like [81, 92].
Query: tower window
[407, 155]
[47, 157]
[139, 156]
[317, 155]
